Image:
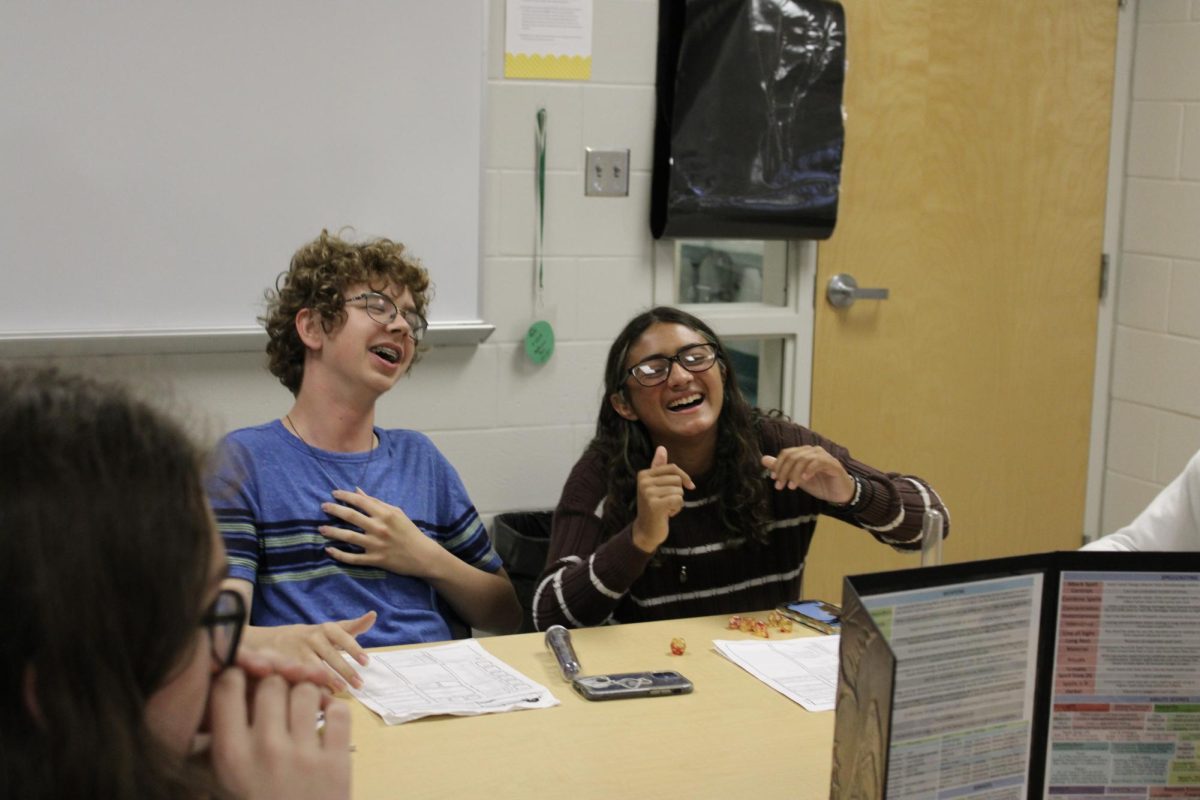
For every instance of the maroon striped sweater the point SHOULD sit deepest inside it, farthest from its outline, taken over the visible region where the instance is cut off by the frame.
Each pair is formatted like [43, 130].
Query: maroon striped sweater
[595, 576]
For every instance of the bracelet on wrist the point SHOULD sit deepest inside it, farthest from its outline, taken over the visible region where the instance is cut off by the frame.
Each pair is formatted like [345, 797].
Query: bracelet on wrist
[854, 498]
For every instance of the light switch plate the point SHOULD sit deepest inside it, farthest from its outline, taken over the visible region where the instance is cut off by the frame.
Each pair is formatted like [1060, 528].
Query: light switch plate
[606, 173]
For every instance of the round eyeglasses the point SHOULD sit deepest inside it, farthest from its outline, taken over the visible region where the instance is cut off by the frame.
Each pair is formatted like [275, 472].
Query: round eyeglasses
[224, 620]
[383, 310]
[693, 358]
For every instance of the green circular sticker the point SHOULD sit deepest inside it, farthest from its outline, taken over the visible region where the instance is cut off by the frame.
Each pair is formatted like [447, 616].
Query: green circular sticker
[539, 342]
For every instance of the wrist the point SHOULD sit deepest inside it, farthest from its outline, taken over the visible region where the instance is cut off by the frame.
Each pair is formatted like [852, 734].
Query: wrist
[855, 493]
[255, 637]
[435, 564]
[643, 541]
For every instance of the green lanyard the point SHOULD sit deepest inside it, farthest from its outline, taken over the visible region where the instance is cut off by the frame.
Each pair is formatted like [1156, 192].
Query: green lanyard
[540, 201]
[539, 339]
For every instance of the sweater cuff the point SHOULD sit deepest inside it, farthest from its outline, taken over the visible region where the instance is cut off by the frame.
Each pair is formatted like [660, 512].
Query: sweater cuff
[873, 506]
[860, 498]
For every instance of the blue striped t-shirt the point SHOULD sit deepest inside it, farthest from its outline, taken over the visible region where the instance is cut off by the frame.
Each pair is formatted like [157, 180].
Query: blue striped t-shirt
[266, 493]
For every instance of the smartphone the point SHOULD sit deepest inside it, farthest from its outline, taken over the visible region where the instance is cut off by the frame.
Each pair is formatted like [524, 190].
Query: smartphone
[816, 614]
[631, 684]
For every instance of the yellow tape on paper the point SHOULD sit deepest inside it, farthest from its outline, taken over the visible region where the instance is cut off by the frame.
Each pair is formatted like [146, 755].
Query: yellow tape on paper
[547, 67]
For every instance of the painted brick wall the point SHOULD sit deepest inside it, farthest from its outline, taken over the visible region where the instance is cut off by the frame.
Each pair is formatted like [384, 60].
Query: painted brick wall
[1154, 419]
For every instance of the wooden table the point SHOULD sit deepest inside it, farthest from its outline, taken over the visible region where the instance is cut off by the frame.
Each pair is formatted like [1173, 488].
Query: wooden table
[733, 737]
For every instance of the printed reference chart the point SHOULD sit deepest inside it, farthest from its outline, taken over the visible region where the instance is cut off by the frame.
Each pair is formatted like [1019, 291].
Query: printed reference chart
[1125, 720]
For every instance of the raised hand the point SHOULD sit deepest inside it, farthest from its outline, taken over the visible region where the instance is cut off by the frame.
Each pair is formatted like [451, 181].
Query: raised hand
[659, 497]
[813, 470]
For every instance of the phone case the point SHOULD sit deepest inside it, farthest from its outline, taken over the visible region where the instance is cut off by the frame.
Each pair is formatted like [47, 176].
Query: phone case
[794, 611]
[631, 684]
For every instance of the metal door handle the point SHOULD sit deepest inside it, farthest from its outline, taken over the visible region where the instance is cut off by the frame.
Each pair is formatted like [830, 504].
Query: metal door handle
[843, 291]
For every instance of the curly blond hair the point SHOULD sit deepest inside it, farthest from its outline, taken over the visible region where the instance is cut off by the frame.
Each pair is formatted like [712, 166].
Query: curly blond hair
[318, 278]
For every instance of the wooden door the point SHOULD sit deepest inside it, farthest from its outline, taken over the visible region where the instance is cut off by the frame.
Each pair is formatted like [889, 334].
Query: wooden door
[973, 188]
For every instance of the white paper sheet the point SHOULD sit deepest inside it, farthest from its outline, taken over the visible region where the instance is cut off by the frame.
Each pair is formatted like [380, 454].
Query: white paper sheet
[804, 670]
[460, 679]
[548, 39]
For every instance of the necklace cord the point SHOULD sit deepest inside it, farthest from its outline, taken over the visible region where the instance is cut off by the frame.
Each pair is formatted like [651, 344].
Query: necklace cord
[312, 451]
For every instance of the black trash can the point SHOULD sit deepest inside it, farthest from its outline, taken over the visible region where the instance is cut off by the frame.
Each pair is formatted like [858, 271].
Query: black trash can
[522, 538]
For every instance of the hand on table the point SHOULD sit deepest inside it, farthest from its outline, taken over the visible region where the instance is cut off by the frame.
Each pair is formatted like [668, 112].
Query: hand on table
[813, 470]
[314, 645]
[659, 497]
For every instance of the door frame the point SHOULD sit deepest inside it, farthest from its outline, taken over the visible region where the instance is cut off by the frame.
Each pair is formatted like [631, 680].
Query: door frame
[1113, 220]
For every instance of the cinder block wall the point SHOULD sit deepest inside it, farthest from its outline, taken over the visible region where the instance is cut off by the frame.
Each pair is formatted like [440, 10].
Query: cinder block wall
[1154, 419]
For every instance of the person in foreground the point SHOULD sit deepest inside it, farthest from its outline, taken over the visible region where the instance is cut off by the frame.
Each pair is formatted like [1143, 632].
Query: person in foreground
[120, 645]
[1170, 522]
[690, 502]
[342, 535]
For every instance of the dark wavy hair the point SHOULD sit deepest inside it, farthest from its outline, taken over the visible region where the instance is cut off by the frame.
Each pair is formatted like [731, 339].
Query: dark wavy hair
[108, 544]
[626, 446]
[320, 273]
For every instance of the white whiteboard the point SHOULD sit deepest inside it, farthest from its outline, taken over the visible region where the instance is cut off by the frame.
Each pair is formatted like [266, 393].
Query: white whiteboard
[161, 161]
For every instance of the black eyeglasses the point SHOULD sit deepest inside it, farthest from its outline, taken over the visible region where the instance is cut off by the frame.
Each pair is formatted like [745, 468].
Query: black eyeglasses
[383, 310]
[225, 619]
[693, 358]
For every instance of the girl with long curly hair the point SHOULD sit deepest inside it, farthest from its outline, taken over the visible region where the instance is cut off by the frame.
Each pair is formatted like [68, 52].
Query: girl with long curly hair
[689, 501]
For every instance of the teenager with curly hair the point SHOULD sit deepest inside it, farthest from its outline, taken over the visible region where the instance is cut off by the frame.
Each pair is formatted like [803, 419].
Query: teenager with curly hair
[688, 501]
[343, 535]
